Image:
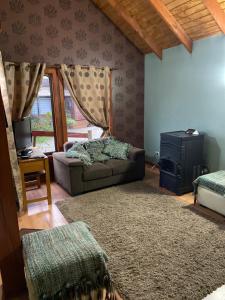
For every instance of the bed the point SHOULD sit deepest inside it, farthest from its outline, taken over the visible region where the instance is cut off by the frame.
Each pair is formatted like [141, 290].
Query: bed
[209, 191]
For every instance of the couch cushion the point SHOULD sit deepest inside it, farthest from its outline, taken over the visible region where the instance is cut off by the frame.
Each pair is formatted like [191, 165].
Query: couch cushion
[70, 162]
[120, 166]
[96, 170]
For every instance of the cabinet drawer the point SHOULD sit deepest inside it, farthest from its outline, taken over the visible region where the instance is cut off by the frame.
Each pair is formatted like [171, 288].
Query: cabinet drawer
[32, 166]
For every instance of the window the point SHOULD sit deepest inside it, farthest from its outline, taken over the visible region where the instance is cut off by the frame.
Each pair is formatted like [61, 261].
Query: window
[55, 118]
[42, 118]
[78, 128]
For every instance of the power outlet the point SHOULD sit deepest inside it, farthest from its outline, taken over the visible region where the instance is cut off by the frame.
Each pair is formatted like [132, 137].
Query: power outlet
[156, 155]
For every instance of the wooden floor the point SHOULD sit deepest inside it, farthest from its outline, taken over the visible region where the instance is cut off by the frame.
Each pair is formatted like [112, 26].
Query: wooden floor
[40, 215]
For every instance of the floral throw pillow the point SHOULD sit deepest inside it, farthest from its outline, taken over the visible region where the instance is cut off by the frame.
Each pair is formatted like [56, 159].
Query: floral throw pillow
[117, 149]
[78, 151]
[95, 150]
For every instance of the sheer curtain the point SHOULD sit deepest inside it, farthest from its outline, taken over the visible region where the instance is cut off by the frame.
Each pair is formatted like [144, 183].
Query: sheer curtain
[90, 89]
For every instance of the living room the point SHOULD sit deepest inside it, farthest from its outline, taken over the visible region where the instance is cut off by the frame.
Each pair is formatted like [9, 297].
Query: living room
[112, 149]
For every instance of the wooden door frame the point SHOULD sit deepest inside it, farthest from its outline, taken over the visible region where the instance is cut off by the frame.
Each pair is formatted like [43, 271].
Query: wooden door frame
[11, 259]
[62, 105]
[58, 108]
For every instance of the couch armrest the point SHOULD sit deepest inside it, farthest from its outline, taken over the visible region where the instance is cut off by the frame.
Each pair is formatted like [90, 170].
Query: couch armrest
[134, 153]
[68, 173]
[70, 162]
[67, 146]
[138, 155]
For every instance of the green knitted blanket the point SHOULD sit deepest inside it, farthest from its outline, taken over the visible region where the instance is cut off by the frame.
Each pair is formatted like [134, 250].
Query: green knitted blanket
[213, 181]
[64, 262]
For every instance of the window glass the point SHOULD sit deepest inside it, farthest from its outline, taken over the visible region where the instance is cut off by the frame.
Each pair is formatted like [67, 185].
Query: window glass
[42, 120]
[78, 128]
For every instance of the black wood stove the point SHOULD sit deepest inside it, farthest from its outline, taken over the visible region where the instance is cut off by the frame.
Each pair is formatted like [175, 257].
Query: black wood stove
[181, 160]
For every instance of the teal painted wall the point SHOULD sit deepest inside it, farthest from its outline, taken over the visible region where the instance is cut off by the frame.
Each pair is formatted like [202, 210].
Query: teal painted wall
[188, 91]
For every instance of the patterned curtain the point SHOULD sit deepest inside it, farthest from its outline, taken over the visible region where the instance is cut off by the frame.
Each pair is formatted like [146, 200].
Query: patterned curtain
[23, 83]
[12, 149]
[90, 89]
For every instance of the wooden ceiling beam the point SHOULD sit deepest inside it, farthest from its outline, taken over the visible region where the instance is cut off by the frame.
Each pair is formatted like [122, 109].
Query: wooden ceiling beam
[131, 22]
[217, 12]
[169, 19]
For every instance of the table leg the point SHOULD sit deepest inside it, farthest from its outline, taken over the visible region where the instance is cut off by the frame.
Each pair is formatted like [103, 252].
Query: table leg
[48, 182]
[24, 192]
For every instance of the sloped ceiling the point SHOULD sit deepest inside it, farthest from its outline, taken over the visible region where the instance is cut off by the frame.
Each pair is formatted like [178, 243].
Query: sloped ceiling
[154, 25]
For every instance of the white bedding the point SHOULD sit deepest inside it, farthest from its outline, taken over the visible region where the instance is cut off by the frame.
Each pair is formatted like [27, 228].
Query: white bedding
[211, 200]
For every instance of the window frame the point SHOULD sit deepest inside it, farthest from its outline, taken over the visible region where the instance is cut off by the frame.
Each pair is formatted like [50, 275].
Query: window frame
[58, 108]
[45, 133]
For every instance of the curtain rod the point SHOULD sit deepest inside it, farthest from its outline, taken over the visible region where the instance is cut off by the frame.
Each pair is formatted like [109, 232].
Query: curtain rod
[83, 67]
[58, 66]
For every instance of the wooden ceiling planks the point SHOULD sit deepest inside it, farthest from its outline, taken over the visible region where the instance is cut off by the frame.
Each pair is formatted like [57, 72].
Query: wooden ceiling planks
[123, 15]
[123, 26]
[193, 17]
[217, 12]
[153, 26]
[172, 23]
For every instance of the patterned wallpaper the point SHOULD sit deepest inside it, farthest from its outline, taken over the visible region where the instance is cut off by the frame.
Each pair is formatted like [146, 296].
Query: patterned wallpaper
[76, 32]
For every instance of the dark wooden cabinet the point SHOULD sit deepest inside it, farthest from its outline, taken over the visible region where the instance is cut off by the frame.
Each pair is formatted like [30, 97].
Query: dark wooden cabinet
[181, 160]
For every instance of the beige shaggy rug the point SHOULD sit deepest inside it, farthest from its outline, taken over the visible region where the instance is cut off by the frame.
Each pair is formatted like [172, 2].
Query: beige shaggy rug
[159, 248]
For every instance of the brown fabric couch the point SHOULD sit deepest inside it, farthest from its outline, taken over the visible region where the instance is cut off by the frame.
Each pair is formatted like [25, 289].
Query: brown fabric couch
[77, 178]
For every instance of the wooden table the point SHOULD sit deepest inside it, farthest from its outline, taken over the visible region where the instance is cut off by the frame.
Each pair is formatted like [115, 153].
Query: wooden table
[33, 165]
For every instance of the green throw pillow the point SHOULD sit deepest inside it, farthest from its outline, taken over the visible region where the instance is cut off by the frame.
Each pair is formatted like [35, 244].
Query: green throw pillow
[77, 145]
[117, 149]
[78, 151]
[95, 150]
[107, 140]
